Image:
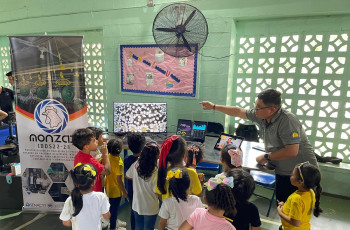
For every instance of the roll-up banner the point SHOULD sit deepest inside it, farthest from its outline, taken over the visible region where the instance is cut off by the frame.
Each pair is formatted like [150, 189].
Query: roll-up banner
[50, 105]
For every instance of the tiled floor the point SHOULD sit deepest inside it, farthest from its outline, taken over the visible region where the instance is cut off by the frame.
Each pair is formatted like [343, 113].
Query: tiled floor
[336, 216]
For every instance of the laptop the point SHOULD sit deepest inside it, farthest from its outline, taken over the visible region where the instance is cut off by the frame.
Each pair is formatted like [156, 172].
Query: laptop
[192, 130]
[226, 139]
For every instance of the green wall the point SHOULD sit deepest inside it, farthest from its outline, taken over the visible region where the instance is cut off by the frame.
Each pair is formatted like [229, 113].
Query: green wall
[125, 22]
[118, 22]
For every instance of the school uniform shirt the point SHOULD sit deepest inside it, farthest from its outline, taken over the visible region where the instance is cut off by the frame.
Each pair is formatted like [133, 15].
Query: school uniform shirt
[299, 206]
[89, 218]
[284, 129]
[202, 219]
[177, 212]
[195, 185]
[84, 158]
[117, 169]
[128, 161]
[247, 214]
[145, 201]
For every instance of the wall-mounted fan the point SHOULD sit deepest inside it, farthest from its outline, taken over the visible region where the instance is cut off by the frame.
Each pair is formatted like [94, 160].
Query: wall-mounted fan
[180, 30]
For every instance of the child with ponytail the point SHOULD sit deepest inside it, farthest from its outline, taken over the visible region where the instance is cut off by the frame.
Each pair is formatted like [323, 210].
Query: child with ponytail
[171, 156]
[193, 157]
[219, 198]
[83, 209]
[296, 213]
[175, 210]
[231, 157]
[143, 173]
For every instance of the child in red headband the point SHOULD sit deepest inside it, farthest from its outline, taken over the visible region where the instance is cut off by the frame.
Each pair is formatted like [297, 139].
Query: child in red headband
[172, 155]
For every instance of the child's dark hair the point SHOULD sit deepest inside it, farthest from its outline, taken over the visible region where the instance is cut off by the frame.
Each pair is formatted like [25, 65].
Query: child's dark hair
[115, 146]
[221, 197]
[82, 137]
[173, 156]
[83, 176]
[179, 186]
[136, 142]
[244, 184]
[97, 131]
[194, 155]
[225, 156]
[148, 160]
[312, 179]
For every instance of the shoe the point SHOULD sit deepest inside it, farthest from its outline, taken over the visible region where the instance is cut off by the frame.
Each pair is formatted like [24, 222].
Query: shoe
[121, 223]
[120, 228]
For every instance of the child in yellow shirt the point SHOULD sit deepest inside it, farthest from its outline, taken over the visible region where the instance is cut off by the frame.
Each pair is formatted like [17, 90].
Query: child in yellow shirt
[296, 213]
[114, 183]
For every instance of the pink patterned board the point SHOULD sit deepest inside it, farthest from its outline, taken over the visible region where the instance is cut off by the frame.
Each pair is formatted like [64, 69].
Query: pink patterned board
[147, 69]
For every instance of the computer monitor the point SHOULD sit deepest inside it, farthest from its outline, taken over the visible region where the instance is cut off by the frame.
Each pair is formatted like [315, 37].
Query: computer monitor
[140, 118]
[192, 130]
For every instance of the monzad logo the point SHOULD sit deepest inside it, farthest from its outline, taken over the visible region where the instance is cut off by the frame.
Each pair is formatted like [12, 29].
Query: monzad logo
[51, 116]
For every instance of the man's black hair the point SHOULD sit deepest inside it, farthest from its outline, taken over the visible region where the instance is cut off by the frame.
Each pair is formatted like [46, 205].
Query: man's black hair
[9, 74]
[270, 97]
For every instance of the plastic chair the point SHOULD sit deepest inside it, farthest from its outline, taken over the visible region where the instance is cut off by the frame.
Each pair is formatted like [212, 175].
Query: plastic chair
[267, 181]
[206, 166]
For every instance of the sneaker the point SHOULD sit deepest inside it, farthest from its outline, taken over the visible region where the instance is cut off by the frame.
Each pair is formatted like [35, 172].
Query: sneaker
[120, 228]
[120, 223]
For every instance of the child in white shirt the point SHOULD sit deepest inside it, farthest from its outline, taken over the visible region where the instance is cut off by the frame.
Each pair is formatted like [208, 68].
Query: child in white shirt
[82, 210]
[175, 210]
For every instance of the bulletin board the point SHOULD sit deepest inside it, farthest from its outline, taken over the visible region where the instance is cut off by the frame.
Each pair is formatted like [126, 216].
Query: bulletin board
[146, 69]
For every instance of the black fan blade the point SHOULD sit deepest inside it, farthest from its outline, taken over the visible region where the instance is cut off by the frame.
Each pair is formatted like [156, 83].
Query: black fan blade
[189, 18]
[186, 43]
[167, 29]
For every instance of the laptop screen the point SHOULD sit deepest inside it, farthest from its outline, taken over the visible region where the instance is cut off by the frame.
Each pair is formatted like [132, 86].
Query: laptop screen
[192, 130]
[226, 139]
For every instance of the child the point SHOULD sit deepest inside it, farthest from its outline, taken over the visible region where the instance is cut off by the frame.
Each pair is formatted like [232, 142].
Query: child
[193, 157]
[98, 135]
[136, 142]
[115, 180]
[98, 156]
[175, 210]
[296, 213]
[172, 156]
[82, 210]
[219, 198]
[247, 212]
[85, 141]
[231, 157]
[143, 174]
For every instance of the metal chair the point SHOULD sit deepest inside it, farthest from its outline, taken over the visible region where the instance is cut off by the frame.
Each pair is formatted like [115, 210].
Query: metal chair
[267, 181]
